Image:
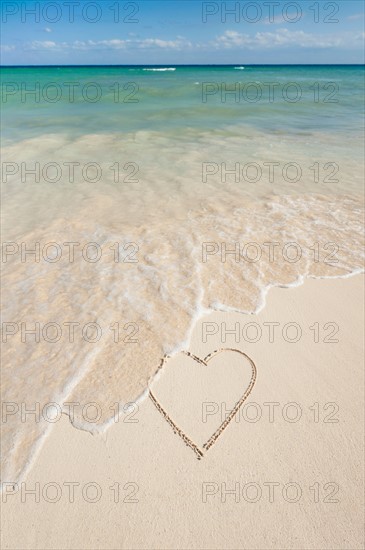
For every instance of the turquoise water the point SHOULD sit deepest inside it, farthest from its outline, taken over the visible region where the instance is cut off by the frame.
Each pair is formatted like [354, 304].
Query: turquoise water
[86, 100]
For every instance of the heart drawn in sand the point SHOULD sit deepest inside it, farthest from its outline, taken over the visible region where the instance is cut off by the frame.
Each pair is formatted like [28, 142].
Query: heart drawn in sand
[246, 390]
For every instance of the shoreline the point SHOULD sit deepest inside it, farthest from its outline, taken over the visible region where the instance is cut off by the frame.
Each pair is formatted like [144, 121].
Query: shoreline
[286, 373]
[101, 429]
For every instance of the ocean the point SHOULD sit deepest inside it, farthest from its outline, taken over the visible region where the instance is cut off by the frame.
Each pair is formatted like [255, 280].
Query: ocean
[124, 99]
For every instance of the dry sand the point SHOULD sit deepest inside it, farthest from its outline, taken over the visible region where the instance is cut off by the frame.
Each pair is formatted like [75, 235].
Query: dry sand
[273, 483]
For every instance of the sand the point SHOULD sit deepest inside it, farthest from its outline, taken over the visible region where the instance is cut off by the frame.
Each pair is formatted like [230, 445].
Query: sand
[285, 473]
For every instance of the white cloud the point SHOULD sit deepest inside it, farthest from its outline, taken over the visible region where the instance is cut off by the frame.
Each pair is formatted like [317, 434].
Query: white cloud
[7, 48]
[285, 37]
[282, 38]
[47, 29]
[168, 44]
[356, 16]
[113, 44]
[43, 45]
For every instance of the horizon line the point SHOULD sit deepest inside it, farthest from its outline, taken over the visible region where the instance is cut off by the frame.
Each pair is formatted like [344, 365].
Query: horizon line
[196, 65]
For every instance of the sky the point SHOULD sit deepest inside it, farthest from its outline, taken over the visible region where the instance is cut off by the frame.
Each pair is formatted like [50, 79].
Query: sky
[165, 32]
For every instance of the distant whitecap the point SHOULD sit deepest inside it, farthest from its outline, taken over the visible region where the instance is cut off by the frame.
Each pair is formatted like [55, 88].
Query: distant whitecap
[163, 69]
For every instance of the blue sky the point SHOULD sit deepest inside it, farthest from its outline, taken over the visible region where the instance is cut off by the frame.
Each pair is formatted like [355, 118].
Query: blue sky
[186, 31]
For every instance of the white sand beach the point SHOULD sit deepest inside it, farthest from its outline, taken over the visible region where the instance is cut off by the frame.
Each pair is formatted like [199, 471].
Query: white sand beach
[284, 474]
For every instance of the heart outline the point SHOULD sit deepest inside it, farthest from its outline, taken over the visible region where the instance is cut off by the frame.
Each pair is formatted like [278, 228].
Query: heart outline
[218, 432]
